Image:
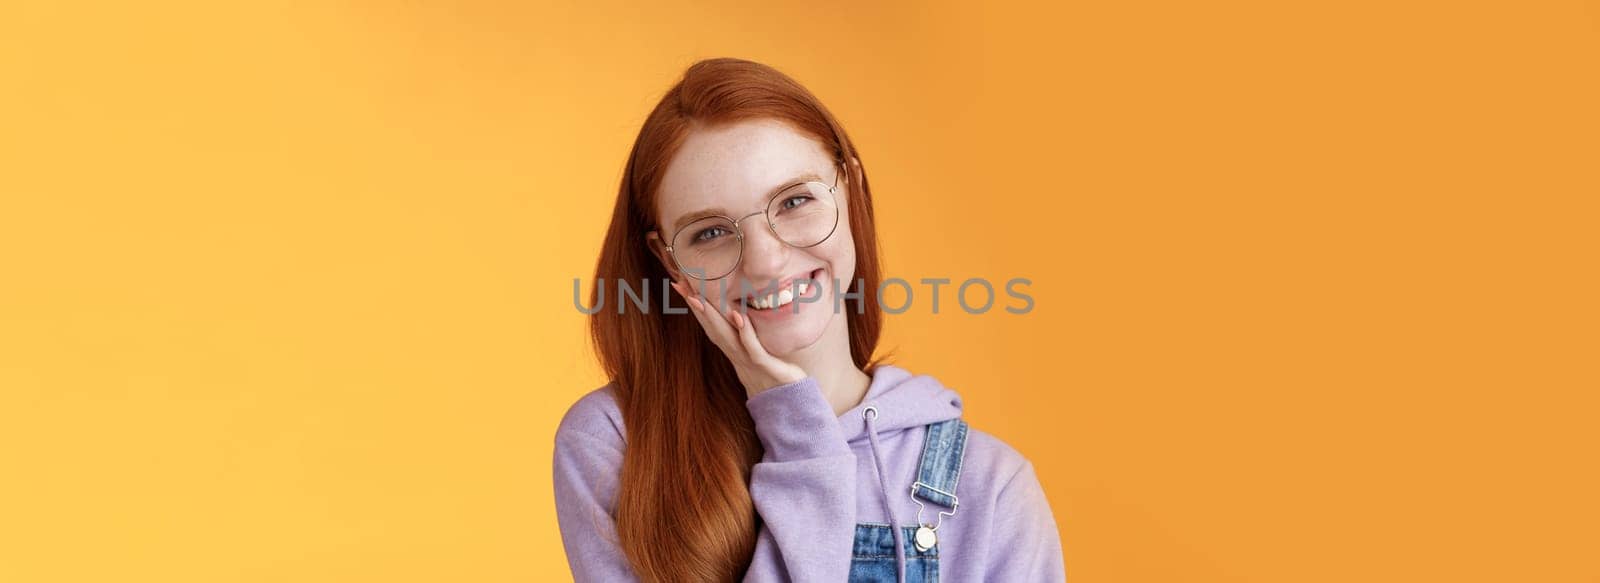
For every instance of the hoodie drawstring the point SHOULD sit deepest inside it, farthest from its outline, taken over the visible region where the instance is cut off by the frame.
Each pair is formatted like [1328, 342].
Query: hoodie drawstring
[871, 414]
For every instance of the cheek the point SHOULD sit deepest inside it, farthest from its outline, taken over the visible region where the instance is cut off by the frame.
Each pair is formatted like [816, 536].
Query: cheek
[715, 290]
[839, 252]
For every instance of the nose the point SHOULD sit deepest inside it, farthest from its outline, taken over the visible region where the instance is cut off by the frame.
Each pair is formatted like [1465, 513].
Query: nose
[764, 254]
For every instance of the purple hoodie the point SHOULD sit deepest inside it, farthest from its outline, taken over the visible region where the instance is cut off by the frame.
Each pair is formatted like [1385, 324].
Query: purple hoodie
[816, 481]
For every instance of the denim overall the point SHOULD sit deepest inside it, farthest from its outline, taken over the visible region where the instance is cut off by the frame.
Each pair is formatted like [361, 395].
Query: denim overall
[874, 556]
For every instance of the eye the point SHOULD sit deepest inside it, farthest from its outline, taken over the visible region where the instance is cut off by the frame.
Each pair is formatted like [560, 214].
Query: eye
[709, 234]
[795, 201]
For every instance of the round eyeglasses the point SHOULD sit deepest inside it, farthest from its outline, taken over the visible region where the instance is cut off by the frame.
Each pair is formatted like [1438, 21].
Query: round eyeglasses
[800, 215]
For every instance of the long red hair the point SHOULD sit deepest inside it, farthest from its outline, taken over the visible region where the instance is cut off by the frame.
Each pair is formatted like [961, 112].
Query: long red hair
[683, 507]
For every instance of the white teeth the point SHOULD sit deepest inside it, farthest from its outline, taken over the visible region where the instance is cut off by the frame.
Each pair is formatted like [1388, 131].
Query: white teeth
[803, 288]
[779, 299]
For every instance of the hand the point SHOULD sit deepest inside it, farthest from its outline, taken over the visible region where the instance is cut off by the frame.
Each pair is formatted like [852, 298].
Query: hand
[733, 333]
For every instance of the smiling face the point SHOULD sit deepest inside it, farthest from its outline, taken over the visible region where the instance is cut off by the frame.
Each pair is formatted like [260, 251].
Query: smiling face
[735, 170]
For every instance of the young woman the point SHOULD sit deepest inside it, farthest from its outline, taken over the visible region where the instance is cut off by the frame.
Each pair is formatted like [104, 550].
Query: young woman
[747, 434]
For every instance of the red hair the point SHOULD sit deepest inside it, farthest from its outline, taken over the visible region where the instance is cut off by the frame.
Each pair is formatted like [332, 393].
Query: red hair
[683, 507]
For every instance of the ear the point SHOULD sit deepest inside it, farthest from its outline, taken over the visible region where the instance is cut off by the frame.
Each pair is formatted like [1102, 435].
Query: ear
[658, 248]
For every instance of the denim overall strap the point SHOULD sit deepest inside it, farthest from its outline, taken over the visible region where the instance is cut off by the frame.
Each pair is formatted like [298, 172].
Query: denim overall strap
[884, 553]
[942, 453]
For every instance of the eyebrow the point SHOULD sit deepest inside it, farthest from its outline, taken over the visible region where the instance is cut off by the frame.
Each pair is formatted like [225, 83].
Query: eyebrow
[684, 220]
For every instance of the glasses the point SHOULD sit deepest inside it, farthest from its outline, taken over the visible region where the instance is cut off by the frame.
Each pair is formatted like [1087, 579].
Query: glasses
[801, 215]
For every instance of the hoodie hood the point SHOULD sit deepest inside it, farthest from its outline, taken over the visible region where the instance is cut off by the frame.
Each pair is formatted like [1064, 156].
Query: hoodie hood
[903, 401]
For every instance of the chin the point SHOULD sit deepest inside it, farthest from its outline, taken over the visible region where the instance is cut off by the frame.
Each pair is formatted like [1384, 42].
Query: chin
[785, 344]
[791, 335]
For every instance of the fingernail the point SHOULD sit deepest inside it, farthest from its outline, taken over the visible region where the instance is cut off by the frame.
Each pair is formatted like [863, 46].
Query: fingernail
[738, 320]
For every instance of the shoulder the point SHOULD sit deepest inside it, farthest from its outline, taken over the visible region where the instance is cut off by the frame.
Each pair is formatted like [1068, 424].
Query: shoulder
[595, 417]
[990, 464]
[587, 462]
[1023, 541]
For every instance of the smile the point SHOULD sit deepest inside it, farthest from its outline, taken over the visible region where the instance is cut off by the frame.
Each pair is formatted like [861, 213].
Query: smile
[777, 300]
[786, 293]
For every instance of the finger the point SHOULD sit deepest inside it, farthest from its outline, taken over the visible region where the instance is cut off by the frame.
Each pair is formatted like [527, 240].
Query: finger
[716, 326]
[724, 324]
[752, 345]
[690, 295]
[693, 301]
[784, 371]
[696, 306]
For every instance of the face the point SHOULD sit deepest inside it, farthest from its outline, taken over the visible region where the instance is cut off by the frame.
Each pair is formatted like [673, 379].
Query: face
[734, 170]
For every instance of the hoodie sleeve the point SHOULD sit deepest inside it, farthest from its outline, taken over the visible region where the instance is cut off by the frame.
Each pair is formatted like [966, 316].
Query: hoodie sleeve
[1026, 529]
[804, 487]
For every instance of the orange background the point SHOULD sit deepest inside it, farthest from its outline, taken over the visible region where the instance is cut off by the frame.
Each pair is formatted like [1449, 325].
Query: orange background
[286, 289]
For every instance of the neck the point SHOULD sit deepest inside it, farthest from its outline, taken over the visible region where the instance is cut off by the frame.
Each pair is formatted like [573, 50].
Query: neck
[828, 361]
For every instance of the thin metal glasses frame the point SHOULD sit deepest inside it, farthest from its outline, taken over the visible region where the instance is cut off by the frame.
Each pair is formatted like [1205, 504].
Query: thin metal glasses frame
[738, 231]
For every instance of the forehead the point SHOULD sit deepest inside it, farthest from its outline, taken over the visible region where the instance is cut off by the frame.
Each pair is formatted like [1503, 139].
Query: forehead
[735, 166]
